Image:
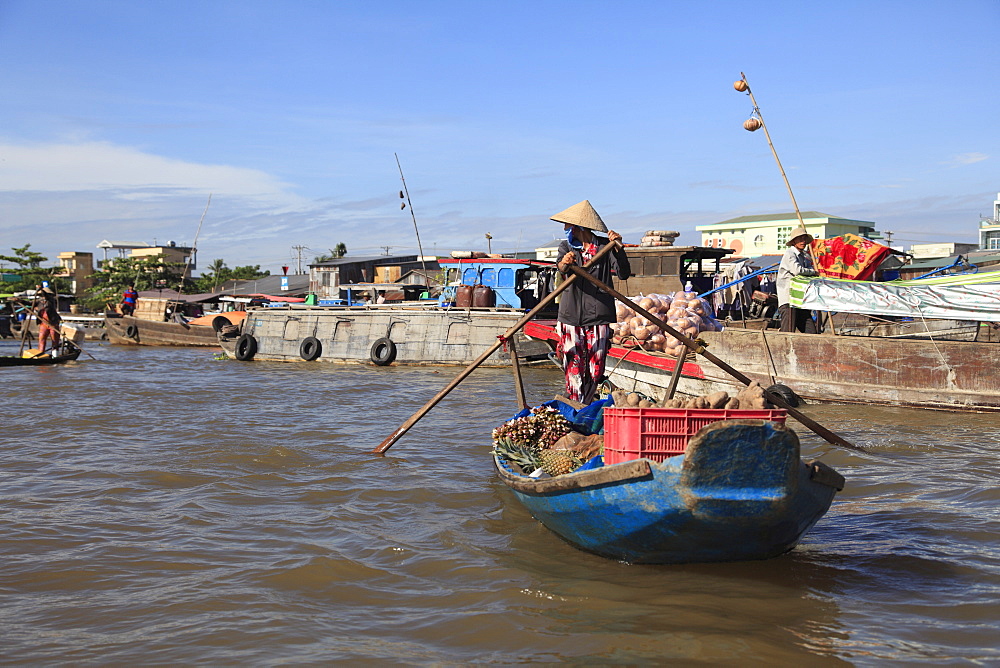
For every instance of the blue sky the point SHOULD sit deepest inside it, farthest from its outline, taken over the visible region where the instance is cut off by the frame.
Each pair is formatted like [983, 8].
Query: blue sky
[119, 119]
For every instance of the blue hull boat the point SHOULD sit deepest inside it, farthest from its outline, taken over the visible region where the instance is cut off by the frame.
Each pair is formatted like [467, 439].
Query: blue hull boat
[739, 492]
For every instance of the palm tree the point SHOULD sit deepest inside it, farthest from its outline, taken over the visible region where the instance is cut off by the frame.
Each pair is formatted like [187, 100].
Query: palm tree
[216, 268]
[340, 250]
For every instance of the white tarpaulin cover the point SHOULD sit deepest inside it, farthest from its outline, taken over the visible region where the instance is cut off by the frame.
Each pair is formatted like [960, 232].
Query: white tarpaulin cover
[960, 297]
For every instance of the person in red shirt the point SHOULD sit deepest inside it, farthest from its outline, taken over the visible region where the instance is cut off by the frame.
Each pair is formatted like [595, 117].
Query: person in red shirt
[129, 299]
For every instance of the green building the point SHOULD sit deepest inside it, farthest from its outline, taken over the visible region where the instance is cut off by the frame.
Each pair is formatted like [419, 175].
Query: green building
[751, 236]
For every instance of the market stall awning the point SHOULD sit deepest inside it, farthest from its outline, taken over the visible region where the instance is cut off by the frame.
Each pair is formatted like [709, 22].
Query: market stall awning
[960, 297]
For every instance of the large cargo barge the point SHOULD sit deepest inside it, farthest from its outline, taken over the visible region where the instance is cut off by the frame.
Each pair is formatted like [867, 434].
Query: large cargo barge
[379, 334]
[482, 298]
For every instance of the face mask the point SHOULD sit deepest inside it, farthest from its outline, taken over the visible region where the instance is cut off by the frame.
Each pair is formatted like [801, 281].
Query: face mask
[572, 240]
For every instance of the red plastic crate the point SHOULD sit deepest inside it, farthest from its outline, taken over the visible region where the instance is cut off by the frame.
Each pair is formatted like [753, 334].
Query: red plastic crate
[658, 433]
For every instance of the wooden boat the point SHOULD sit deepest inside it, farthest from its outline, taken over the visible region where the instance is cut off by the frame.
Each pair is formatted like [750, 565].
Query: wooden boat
[739, 492]
[168, 322]
[920, 373]
[130, 331]
[68, 352]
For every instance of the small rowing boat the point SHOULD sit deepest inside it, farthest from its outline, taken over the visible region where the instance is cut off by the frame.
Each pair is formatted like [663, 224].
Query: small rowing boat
[68, 352]
[740, 491]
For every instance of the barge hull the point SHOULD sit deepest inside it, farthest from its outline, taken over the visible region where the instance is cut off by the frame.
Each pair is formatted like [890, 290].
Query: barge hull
[418, 336]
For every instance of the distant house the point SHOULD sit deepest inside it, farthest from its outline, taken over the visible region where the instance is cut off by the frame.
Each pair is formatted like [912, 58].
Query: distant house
[549, 251]
[325, 278]
[924, 251]
[989, 229]
[171, 252]
[78, 267]
[751, 236]
[271, 286]
[983, 260]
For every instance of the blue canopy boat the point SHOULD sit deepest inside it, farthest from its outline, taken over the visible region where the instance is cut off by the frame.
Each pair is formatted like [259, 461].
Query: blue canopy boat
[739, 492]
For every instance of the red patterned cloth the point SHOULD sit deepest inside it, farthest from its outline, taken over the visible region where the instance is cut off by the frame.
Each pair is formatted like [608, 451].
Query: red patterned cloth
[847, 256]
[583, 351]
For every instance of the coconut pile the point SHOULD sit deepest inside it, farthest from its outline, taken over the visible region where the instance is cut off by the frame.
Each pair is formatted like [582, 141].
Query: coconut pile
[654, 238]
[750, 397]
[684, 311]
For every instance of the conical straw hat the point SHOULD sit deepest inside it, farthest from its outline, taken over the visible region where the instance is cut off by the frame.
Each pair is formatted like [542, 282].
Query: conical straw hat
[581, 214]
[796, 233]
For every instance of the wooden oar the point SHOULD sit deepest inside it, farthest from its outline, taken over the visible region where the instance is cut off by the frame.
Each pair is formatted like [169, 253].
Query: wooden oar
[676, 377]
[697, 348]
[25, 325]
[516, 367]
[405, 427]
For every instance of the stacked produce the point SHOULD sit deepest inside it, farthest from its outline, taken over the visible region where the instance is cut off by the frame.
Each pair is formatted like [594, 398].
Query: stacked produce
[750, 397]
[528, 442]
[654, 238]
[684, 311]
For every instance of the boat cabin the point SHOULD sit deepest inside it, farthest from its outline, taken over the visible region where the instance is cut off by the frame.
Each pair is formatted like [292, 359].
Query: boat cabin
[511, 282]
[664, 269]
[356, 294]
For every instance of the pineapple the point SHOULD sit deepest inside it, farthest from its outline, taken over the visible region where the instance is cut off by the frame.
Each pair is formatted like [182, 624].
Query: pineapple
[524, 440]
[558, 462]
[518, 453]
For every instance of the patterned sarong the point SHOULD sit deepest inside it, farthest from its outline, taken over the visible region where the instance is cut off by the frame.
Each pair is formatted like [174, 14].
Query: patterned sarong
[583, 351]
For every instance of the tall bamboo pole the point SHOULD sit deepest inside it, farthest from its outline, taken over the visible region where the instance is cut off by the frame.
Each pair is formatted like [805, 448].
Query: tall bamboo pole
[406, 191]
[744, 86]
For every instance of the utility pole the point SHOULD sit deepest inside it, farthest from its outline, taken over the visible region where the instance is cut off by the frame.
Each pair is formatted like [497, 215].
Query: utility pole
[386, 249]
[888, 238]
[298, 250]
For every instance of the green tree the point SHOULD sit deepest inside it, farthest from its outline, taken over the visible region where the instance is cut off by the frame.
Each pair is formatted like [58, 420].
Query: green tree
[29, 268]
[220, 273]
[340, 250]
[147, 273]
[247, 272]
[213, 277]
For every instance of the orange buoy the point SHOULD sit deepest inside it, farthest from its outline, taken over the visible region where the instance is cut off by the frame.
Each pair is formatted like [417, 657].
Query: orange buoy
[740, 85]
[752, 124]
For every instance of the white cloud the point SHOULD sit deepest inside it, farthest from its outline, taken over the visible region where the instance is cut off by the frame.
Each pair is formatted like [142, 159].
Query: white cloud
[105, 166]
[966, 159]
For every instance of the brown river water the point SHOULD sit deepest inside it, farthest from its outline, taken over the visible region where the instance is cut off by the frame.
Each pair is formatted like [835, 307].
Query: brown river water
[160, 506]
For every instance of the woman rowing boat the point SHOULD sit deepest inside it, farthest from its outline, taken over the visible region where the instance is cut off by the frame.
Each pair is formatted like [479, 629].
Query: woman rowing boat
[585, 312]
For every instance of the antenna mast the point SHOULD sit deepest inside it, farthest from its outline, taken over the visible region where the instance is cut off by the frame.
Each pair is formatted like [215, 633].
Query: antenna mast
[403, 206]
[194, 245]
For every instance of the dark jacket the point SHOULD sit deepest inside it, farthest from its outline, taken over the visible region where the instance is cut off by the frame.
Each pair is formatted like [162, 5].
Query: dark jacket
[582, 304]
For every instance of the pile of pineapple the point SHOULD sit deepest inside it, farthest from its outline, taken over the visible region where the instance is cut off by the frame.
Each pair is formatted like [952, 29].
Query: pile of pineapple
[528, 442]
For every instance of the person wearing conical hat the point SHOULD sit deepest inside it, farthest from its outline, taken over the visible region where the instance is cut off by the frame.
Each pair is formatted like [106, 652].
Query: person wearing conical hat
[585, 313]
[47, 311]
[796, 261]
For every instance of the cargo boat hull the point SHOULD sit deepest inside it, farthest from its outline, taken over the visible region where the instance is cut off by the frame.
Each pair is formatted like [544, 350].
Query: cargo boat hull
[381, 335]
[130, 331]
[947, 375]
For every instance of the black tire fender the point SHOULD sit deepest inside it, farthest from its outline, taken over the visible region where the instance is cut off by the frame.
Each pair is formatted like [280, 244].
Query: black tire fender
[220, 321]
[310, 349]
[786, 393]
[132, 331]
[383, 352]
[246, 347]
